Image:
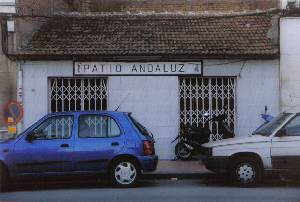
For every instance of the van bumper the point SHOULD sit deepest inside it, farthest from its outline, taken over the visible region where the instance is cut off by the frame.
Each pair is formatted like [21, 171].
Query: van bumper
[148, 163]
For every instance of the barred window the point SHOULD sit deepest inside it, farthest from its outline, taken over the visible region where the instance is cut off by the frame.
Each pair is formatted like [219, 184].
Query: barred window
[76, 94]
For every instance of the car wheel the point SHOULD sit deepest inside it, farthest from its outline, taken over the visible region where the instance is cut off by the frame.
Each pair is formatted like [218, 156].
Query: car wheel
[182, 152]
[3, 178]
[246, 172]
[125, 173]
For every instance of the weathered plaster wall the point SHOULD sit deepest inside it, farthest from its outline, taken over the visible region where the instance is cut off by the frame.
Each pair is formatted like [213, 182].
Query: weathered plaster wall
[289, 63]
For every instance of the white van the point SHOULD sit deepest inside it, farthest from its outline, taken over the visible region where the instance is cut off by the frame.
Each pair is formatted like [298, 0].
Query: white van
[274, 147]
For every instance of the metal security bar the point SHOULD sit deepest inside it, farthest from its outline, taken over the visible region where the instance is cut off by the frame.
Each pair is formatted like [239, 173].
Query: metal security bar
[73, 94]
[57, 128]
[213, 95]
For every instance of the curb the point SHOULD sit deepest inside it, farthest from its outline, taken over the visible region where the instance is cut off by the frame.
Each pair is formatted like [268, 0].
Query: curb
[163, 176]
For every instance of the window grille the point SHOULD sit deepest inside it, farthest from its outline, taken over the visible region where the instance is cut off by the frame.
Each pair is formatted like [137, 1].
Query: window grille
[213, 95]
[75, 94]
[95, 126]
[56, 128]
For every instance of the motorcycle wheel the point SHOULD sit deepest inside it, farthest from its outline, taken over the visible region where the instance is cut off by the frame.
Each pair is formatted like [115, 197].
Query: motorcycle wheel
[182, 152]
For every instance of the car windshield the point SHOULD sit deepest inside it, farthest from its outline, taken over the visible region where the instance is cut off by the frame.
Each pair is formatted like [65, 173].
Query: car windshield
[269, 128]
[140, 127]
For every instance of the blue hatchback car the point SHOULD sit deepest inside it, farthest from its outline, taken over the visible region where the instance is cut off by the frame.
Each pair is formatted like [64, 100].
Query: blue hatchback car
[89, 142]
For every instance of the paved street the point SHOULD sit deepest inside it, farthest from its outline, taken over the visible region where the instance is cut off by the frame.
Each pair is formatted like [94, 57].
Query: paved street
[155, 190]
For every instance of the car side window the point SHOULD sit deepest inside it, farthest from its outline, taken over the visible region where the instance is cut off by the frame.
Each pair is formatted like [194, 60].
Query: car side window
[293, 127]
[97, 126]
[57, 127]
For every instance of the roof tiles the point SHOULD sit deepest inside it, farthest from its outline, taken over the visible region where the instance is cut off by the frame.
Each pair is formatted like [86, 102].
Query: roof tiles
[244, 36]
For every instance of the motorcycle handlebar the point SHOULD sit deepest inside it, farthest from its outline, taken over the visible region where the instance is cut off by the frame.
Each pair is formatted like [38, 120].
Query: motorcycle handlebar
[217, 118]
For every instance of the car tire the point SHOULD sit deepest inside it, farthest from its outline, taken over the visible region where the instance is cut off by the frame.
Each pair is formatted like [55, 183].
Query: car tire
[125, 173]
[246, 172]
[3, 178]
[182, 152]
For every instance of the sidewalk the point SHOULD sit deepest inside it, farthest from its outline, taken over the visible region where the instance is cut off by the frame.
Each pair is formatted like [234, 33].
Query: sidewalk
[167, 169]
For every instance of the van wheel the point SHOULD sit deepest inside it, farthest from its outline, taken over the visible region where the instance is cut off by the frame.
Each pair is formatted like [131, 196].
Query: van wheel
[125, 173]
[3, 178]
[246, 172]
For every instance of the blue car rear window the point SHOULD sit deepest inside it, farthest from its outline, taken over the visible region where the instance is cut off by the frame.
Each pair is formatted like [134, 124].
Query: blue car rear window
[139, 126]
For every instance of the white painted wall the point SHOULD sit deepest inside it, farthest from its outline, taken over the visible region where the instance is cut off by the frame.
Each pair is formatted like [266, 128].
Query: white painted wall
[35, 87]
[154, 99]
[290, 64]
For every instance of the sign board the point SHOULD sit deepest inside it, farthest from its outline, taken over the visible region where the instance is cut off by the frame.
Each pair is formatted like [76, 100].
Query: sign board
[137, 68]
[13, 111]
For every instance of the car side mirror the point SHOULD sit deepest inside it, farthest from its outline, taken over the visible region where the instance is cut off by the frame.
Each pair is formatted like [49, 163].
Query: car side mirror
[33, 135]
[281, 133]
[30, 137]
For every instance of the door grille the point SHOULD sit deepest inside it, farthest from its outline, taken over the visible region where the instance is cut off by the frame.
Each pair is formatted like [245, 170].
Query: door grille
[213, 95]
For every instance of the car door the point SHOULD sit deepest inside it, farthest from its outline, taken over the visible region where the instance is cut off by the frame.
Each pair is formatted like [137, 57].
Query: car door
[285, 149]
[99, 138]
[50, 150]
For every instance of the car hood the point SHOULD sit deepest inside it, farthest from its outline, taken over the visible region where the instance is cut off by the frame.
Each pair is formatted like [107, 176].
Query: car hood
[238, 140]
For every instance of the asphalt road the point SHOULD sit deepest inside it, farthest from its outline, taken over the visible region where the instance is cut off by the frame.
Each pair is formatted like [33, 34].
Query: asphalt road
[153, 190]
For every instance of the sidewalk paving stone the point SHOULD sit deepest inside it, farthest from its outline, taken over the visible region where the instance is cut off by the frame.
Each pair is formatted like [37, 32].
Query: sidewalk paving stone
[167, 169]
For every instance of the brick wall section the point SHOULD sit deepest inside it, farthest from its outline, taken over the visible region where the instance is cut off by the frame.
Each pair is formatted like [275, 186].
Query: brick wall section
[85, 5]
[199, 5]
[46, 7]
[24, 29]
[43, 7]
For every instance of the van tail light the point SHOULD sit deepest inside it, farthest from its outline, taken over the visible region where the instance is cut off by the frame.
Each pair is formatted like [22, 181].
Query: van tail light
[148, 148]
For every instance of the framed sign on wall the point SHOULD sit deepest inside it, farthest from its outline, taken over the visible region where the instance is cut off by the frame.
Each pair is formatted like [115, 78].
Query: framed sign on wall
[135, 69]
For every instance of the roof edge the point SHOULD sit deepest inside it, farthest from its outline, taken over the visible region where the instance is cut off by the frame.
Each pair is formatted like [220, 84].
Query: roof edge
[141, 58]
[187, 14]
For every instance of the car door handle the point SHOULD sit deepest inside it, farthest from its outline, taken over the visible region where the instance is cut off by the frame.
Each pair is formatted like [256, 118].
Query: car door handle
[115, 144]
[64, 145]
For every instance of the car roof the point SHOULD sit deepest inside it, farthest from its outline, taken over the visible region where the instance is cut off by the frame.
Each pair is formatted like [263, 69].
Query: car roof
[88, 112]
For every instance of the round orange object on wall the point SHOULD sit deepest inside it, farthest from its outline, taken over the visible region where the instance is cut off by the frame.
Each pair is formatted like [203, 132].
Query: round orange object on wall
[13, 109]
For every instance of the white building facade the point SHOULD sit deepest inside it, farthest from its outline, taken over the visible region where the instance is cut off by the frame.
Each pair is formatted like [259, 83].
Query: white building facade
[239, 85]
[155, 100]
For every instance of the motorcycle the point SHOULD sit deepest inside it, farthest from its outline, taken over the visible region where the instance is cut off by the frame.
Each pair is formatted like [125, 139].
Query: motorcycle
[191, 138]
[266, 117]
